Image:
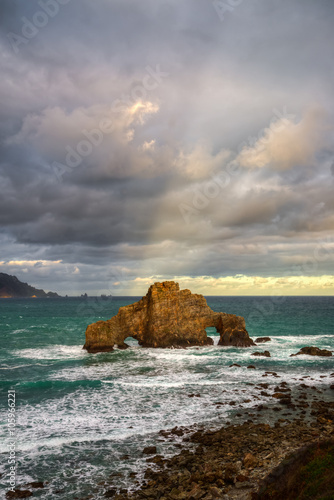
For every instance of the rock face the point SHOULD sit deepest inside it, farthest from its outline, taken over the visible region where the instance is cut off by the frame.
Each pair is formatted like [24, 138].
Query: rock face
[313, 351]
[167, 317]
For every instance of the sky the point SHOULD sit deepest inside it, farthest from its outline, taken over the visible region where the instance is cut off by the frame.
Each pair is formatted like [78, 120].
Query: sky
[152, 140]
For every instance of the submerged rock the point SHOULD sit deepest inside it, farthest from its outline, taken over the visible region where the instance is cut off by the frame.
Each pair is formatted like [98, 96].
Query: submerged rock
[35, 484]
[167, 317]
[262, 339]
[266, 354]
[17, 493]
[313, 351]
[150, 450]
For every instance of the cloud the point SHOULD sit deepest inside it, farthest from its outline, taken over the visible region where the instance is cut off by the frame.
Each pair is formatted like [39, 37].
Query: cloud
[286, 143]
[200, 162]
[216, 87]
[248, 285]
[97, 130]
[148, 145]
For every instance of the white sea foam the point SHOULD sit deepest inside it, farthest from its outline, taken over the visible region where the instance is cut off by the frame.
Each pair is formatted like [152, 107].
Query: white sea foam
[18, 366]
[20, 330]
[143, 391]
[51, 352]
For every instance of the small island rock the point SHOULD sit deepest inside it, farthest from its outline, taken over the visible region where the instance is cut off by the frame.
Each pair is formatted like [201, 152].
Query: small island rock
[167, 317]
[262, 339]
[313, 351]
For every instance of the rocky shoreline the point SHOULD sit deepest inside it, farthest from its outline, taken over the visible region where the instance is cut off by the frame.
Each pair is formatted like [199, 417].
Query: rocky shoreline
[231, 462]
[241, 459]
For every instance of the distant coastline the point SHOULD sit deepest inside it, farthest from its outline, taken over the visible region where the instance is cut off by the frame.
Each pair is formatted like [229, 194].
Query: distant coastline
[12, 288]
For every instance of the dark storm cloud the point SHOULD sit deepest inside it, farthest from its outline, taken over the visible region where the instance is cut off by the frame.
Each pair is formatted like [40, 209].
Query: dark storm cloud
[224, 86]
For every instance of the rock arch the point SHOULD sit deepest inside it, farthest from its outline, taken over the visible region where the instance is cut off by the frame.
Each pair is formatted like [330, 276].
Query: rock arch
[166, 317]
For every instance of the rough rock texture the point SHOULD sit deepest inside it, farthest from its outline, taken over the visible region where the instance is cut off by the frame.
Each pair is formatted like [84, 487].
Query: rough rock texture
[167, 317]
[313, 351]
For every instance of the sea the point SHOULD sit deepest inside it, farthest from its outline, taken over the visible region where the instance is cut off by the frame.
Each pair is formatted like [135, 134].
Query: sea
[82, 420]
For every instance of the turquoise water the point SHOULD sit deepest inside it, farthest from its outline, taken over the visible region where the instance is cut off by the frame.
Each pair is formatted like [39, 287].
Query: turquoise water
[77, 414]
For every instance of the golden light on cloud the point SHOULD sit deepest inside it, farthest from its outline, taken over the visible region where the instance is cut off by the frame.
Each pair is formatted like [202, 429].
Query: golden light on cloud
[148, 145]
[30, 262]
[142, 108]
[135, 107]
[200, 162]
[286, 143]
[247, 285]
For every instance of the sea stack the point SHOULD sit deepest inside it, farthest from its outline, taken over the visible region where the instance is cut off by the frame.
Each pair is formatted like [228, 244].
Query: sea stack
[167, 317]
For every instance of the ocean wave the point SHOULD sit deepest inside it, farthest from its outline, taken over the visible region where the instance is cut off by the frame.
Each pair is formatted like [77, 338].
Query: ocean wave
[58, 384]
[57, 351]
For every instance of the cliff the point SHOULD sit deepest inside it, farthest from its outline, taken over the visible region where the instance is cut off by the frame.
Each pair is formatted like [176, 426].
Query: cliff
[166, 317]
[11, 287]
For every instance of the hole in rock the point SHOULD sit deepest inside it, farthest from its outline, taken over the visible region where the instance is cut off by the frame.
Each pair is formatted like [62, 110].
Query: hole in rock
[131, 341]
[212, 332]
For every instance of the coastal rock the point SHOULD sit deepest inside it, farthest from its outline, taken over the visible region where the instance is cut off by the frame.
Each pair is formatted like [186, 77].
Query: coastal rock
[266, 354]
[110, 493]
[215, 492]
[167, 317]
[150, 450]
[35, 484]
[279, 395]
[250, 461]
[230, 462]
[16, 493]
[230, 473]
[262, 339]
[313, 351]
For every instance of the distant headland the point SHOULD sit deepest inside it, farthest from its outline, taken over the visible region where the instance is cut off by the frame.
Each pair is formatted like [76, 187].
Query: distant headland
[11, 287]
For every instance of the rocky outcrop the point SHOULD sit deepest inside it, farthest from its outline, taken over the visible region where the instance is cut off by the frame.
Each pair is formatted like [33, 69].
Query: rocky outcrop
[167, 317]
[265, 354]
[259, 340]
[313, 351]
